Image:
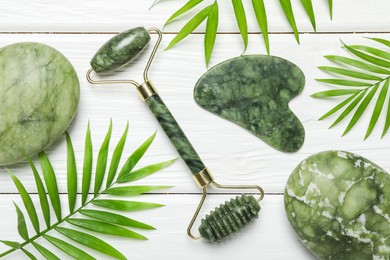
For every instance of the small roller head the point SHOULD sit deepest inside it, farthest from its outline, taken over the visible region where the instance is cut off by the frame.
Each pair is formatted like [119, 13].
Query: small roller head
[120, 50]
[229, 218]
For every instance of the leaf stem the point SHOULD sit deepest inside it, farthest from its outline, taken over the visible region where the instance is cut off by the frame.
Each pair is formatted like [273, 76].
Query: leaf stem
[54, 225]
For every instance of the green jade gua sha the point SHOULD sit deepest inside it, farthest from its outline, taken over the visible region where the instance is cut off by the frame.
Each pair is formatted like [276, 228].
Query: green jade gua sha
[253, 91]
[229, 217]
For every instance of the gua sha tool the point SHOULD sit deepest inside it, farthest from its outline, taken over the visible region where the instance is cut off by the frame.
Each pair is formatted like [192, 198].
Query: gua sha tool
[231, 216]
[253, 91]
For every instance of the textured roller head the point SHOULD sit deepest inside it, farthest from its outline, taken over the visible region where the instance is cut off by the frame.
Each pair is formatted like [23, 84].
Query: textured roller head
[120, 50]
[229, 218]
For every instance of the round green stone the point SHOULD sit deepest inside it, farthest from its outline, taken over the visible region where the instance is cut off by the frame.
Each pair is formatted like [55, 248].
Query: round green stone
[339, 205]
[39, 93]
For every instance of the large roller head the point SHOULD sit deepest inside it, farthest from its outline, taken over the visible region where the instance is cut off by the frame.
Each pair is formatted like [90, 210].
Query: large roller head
[120, 50]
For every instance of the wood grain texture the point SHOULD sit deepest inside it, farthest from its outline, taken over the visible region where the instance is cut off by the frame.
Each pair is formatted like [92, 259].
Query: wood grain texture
[269, 237]
[119, 15]
[79, 28]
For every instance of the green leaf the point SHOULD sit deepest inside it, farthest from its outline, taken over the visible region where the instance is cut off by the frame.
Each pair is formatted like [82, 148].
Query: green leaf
[211, 32]
[357, 64]
[45, 252]
[185, 8]
[102, 161]
[28, 254]
[105, 228]
[22, 227]
[135, 157]
[87, 168]
[369, 58]
[287, 8]
[124, 205]
[145, 171]
[362, 107]
[378, 108]
[51, 183]
[239, 11]
[133, 190]
[335, 93]
[261, 16]
[28, 204]
[330, 2]
[339, 106]
[349, 73]
[91, 242]
[68, 248]
[387, 123]
[116, 157]
[374, 51]
[115, 219]
[72, 174]
[310, 12]
[12, 244]
[382, 41]
[41, 191]
[190, 26]
[343, 82]
[349, 108]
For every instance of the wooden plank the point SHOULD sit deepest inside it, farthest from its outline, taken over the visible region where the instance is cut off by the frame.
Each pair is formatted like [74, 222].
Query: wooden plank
[102, 16]
[231, 153]
[269, 237]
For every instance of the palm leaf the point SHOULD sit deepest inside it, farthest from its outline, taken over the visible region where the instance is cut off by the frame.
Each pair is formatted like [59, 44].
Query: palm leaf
[239, 11]
[105, 228]
[211, 13]
[367, 74]
[102, 161]
[87, 168]
[72, 174]
[115, 219]
[42, 193]
[28, 204]
[68, 248]
[90, 241]
[211, 32]
[99, 221]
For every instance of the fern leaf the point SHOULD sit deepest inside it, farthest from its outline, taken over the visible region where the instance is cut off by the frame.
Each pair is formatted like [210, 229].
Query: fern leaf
[125, 205]
[211, 32]
[287, 8]
[87, 168]
[68, 248]
[185, 8]
[72, 174]
[239, 12]
[133, 190]
[261, 16]
[308, 5]
[28, 254]
[45, 252]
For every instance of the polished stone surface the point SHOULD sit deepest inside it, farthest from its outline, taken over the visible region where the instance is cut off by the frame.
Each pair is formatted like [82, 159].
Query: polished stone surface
[39, 93]
[339, 205]
[175, 134]
[120, 50]
[253, 91]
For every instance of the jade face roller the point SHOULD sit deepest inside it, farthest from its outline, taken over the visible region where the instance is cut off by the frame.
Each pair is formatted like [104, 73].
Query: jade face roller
[229, 217]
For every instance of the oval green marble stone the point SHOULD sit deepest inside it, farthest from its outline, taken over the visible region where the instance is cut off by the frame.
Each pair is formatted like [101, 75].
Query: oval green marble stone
[339, 205]
[253, 91]
[39, 93]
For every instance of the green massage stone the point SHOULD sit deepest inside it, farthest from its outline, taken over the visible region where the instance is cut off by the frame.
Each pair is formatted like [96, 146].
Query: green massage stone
[339, 205]
[39, 93]
[120, 50]
[253, 91]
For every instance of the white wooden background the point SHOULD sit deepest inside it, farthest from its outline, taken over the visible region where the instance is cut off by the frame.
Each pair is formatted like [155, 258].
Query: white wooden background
[79, 28]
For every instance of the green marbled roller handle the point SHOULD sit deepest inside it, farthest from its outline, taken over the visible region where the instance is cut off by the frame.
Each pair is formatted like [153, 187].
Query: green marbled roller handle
[175, 134]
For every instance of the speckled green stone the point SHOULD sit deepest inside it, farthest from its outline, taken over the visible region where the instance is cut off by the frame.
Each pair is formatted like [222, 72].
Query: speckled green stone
[120, 50]
[253, 91]
[175, 134]
[339, 205]
[39, 93]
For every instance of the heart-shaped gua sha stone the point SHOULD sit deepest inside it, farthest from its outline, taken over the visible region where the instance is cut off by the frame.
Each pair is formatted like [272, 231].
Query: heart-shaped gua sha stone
[339, 205]
[253, 91]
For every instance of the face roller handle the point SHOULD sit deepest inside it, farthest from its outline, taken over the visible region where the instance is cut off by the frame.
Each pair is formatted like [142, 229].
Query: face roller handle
[229, 217]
